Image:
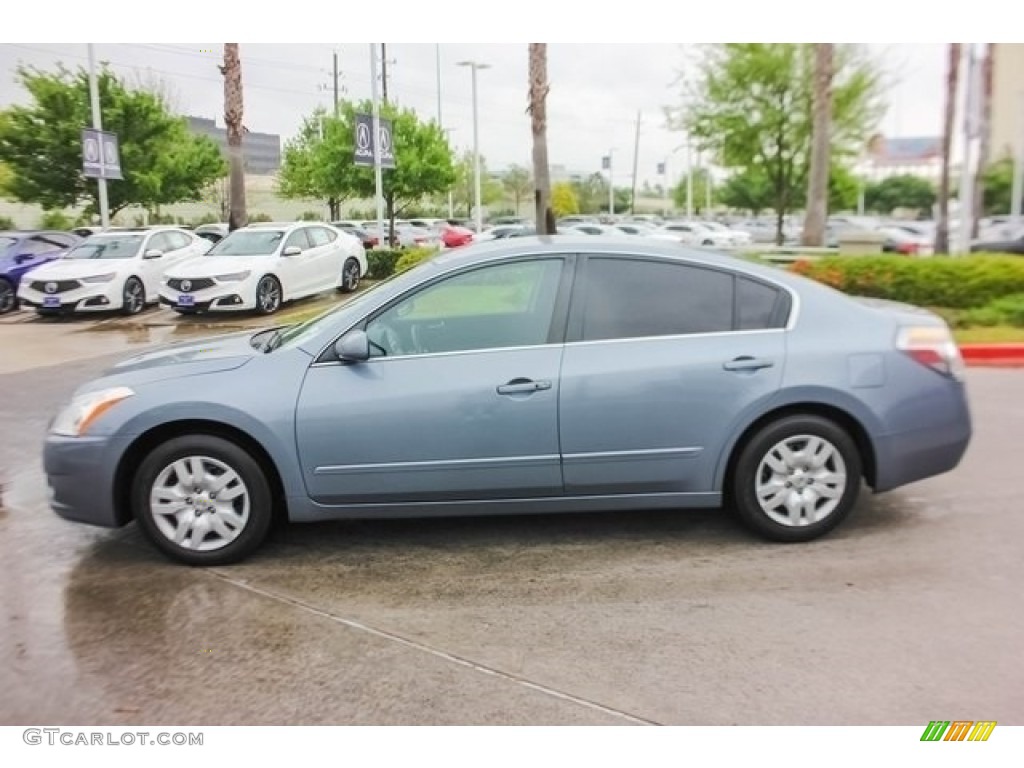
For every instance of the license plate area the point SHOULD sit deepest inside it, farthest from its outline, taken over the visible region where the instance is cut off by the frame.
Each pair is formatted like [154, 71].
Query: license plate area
[53, 302]
[186, 300]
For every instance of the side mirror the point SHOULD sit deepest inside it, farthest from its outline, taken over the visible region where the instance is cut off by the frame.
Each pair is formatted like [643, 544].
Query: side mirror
[291, 250]
[152, 253]
[353, 347]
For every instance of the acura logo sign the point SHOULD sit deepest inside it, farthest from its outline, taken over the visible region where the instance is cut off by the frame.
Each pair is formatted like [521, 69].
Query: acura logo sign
[186, 285]
[51, 287]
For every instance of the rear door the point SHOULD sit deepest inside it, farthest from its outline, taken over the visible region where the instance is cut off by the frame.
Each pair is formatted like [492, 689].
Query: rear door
[663, 358]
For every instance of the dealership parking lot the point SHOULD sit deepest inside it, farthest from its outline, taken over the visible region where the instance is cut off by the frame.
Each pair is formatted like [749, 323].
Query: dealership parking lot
[908, 612]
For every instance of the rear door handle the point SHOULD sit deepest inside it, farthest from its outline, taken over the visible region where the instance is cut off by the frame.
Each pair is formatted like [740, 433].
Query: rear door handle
[523, 386]
[747, 363]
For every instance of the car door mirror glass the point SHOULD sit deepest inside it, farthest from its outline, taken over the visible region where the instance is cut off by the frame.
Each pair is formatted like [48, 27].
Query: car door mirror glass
[354, 346]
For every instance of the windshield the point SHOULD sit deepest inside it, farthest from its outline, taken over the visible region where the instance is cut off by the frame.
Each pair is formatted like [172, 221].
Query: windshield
[107, 247]
[249, 242]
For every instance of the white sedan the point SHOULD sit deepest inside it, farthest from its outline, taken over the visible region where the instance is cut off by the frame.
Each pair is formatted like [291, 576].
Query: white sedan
[262, 266]
[691, 233]
[113, 270]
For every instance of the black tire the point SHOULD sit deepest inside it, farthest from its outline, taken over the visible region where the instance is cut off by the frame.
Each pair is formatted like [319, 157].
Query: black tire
[254, 506]
[8, 296]
[752, 468]
[133, 297]
[268, 295]
[349, 276]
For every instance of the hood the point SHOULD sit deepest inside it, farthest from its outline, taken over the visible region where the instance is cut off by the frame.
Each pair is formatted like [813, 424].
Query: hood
[70, 269]
[211, 266]
[190, 358]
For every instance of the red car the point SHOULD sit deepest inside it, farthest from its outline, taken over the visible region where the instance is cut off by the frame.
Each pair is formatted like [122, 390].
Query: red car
[453, 236]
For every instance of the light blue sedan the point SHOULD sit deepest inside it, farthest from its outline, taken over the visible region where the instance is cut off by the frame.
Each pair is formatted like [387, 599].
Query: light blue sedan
[528, 375]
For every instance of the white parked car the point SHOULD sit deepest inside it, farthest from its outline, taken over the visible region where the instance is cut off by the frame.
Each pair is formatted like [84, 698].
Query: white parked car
[264, 265]
[691, 233]
[736, 237]
[113, 270]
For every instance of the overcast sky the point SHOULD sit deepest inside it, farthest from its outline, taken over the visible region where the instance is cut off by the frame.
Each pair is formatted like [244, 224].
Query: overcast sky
[596, 91]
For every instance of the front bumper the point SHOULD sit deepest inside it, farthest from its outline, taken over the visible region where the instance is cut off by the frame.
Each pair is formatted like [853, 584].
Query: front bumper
[80, 472]
[226, 297]
[90, 297]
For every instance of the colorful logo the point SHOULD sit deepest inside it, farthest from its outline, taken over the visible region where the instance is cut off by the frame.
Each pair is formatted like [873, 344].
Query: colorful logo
[958, 730]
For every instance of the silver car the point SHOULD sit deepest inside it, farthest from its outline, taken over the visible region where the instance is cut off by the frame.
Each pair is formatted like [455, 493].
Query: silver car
[555, 374]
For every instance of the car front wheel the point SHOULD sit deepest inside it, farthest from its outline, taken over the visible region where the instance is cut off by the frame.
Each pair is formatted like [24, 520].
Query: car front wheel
[796, 478]
[202, 500]
[133, 299]
[8, 297]
[349, 276]
[268, 295]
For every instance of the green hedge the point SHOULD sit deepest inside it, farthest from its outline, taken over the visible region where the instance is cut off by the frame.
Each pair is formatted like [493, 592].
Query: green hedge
[965, 282]
[413, 256]
[380, 263]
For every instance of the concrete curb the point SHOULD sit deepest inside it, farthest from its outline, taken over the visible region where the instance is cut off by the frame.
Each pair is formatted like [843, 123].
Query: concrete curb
[993, 355]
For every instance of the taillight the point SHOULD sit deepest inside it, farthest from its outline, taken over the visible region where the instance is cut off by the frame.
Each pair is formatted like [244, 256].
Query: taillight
[932, 346]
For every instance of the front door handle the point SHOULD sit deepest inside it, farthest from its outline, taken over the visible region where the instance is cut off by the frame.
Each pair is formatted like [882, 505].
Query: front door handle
[523, 386]
[747, 363]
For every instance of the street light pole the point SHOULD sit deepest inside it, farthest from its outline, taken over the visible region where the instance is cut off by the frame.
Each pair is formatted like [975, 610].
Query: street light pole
[479, 214]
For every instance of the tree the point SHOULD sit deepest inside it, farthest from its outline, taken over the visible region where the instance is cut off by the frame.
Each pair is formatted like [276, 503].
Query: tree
[749, 189]
[321, 168]
[750, 105]
[463, 189]
[518, 184]
[232, 71]
[563, 199]
[997, 183]
[904, 191]
[821, 131]
[700, 192]
[948, 119]
[538, 95]
[162, 162]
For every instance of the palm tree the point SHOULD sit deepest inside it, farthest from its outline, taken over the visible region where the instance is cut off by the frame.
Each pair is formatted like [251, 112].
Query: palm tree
[985, 145]
[817, 182]
[948, 120]
[232, 71]
[539, 124]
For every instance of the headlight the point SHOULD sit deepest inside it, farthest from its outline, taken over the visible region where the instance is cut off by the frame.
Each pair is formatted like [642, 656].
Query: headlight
[99, 278]
[74, 420]
[234, 277]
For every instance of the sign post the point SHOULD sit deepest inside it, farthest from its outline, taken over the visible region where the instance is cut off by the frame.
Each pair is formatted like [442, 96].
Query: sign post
[102, 166]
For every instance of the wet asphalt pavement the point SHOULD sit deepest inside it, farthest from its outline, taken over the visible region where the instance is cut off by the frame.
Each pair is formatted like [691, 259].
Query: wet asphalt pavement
[911, 611]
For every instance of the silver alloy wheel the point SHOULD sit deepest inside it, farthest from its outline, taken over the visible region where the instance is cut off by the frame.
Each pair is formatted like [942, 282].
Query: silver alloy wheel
[8, 300]
[199, 503]
[350, 275]
[134, 296]
[801, 480]
[268, 295]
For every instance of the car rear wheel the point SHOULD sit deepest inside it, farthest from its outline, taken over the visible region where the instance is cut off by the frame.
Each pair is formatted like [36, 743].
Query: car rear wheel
[796, 478]
[268, 295]
[202, 500]
[349, 276]
[133, 298]
[8, 298]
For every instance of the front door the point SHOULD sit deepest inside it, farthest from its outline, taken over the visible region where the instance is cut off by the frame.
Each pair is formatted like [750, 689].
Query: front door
[459, 400]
